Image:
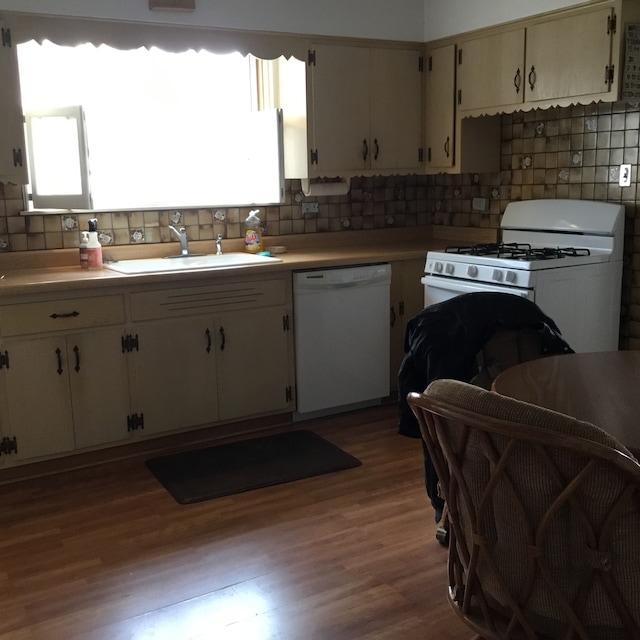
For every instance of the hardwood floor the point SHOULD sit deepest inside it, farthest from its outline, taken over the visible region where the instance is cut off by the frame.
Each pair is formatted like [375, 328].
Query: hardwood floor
[105, 553]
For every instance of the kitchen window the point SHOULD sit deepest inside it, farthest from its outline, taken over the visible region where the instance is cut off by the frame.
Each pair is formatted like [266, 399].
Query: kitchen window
[111, 128]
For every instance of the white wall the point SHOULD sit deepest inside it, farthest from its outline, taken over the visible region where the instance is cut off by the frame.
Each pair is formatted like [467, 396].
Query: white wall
[384, 19]
[448, 17]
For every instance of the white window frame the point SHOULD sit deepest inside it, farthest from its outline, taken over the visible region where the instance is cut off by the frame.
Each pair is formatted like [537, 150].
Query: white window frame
[81, 200]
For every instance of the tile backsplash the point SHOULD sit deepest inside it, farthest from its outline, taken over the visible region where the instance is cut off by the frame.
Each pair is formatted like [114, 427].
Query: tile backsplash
[572, 152]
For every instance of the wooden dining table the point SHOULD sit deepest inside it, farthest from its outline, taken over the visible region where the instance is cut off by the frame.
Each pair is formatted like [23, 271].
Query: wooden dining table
[602, 388]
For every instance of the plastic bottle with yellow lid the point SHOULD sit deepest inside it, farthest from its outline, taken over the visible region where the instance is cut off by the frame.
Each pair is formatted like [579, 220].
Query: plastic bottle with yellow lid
[253, 232]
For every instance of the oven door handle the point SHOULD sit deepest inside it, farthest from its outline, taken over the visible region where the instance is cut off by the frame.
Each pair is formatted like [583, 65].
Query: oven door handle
[458, 287]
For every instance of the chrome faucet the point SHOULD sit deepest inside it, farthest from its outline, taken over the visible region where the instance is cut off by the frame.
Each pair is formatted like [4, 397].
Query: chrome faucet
[219, 244]
[184, 241]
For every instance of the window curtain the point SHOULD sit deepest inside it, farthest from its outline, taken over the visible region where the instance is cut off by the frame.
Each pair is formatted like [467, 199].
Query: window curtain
[132, 35]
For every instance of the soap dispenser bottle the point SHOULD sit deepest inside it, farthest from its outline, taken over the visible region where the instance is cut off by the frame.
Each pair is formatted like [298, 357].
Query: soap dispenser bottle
[94, 248]
[84, 250]
[253, 232]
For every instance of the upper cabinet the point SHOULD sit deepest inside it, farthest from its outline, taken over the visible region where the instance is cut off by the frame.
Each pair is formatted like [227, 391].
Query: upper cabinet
[569, 56]
[365, 111]
[13, 157]
[455, 144]
[555, 59]
[491, 70]
[440, 106]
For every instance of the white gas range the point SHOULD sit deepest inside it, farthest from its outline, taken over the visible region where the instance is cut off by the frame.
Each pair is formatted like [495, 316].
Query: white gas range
[564, 255]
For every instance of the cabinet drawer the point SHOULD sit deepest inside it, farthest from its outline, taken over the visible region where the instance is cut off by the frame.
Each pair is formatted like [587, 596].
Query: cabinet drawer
[211, 298]
[60, 315]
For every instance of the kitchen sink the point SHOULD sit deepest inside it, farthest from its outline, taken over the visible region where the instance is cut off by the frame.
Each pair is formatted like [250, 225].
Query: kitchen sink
[187, 263]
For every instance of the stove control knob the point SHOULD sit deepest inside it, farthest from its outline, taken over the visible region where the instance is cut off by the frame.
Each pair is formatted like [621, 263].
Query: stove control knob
[472, 271]
[497, 275]
[437, 267]
[510, 276]
[449, 268]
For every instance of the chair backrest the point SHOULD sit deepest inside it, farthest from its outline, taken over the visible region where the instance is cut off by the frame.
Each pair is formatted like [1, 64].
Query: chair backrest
[544, 516]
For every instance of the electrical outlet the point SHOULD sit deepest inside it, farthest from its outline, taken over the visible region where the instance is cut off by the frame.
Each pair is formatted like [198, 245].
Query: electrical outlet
[625, 175]
[309, 207]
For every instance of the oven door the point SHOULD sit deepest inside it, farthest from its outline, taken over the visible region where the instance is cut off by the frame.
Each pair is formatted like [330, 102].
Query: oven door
[438, 289]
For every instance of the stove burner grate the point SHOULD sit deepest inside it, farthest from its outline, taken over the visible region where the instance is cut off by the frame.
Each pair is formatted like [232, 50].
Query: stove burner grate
[518, 251]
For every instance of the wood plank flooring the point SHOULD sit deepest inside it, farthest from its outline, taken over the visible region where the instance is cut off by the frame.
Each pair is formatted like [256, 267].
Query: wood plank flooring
[105, 553]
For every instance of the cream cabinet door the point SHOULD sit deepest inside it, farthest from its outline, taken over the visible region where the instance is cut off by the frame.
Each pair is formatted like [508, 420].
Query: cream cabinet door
[339, 110]
[100, 389]
[365, 110]
[440, 107]
[13, 152]
[38, 397]
[175, 374]
[254, 353]
[491, 70]
[407, 301]
[569, 57]
[396, 110]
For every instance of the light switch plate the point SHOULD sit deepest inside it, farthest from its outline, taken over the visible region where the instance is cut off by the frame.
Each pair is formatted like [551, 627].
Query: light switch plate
[625, 175]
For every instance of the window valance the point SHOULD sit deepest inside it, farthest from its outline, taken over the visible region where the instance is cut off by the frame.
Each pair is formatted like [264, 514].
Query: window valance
[71, 31]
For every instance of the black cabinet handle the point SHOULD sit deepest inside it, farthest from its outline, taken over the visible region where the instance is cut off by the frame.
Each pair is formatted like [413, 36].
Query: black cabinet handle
[517, 81]
[208, 334]
[377, 147]
[77, 353]
[72, 314]
[59, 356]
[223, 339]
[393, 317]
[365, 149]
[447, 146]
[532, 77]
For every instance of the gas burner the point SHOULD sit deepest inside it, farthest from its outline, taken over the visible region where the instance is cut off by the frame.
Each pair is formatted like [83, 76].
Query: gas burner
[494, 249]
[517, 251]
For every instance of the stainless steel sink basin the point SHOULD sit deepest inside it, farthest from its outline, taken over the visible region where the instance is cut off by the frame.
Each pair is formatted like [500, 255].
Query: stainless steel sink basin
[188, 263]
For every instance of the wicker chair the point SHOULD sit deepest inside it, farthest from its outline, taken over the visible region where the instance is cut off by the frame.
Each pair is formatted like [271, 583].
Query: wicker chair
[544, 515]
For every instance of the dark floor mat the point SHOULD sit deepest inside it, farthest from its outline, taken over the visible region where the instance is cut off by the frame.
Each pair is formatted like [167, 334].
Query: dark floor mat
[226, 469]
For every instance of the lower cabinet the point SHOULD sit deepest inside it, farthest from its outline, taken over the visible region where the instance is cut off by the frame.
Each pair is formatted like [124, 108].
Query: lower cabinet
[232, 360]
[175, 375]
[254, 368]
[89, 373]
[407, 300]
[65, 392]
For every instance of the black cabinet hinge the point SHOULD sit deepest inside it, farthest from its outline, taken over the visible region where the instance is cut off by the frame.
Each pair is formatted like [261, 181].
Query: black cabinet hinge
[285, 323]
[4, 360]
[609, 74]
[129, 343]
[421, 63]
[8, 446]
[288, 394]
[314, 156]
[429, 154]
[430, 67]
[401, 307]
[17, 158]
[612, 24]
[311, 58]
[459, 56]
[135, 422]
[6, 37]
[420, 154]
[459, 96]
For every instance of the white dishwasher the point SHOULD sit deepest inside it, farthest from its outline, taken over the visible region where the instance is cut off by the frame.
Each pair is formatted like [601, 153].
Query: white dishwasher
[341, 321]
